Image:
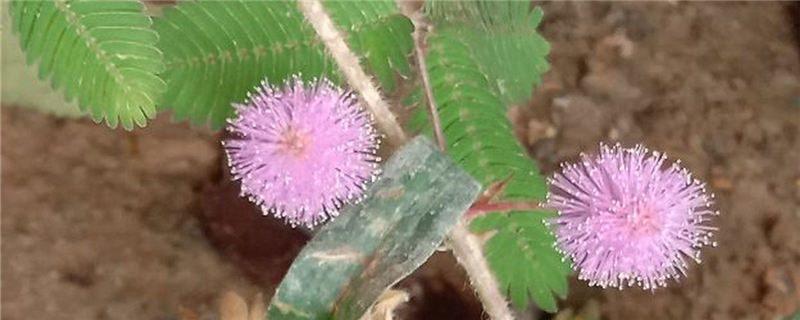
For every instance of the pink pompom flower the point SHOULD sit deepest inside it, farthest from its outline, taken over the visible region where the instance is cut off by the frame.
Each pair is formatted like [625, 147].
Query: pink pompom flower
[626, 219]
[302, 151]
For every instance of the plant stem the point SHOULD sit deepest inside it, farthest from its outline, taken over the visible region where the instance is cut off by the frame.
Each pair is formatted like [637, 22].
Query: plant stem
[464, 244]
[478, 209]
[353, 73]
[420, 33]
[469, 254]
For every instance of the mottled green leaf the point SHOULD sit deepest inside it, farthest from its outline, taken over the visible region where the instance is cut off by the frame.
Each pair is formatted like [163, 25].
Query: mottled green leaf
[406, 214]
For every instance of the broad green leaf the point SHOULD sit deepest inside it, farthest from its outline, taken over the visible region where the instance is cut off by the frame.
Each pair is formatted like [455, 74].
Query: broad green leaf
[100, 52]
[404, 217]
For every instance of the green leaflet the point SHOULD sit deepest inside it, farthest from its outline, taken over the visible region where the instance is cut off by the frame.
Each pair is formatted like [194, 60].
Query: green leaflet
[504, 41]
[100, 52]
[522, 257]
[217, 51]
[484, 56]
[26, 90]
[406, 214]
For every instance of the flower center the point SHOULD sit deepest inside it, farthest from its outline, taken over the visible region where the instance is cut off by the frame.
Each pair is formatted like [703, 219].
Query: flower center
[644, 220]
[295, 142]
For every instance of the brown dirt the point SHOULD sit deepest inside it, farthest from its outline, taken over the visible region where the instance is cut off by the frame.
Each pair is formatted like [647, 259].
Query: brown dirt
[97, 228]
[713, 84]
[91, 229]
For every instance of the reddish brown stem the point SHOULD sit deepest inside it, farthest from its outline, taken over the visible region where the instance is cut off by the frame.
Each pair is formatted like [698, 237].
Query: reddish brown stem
[480, 208]
[465, 246]
[420, 32]
[133, 143]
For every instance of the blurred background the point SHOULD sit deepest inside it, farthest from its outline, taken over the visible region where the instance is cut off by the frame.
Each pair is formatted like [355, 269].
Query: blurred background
[108, 224]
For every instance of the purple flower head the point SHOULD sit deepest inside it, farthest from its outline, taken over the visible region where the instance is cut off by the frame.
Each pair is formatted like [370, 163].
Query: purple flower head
[626, 219]
[302, 151]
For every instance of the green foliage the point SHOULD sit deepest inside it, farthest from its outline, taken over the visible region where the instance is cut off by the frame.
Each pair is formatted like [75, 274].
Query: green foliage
[482, 57]
[523, 259]
[794, 316]
[218, 51]
[406, 214]
[21, 86]
[505, 42]
[100, 52]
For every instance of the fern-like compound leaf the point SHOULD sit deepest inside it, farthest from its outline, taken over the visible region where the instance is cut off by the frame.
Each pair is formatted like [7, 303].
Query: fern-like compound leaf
[217, 51]
[484, 56]
[405, 215]
[502, 37]
[101, 52]
[21, 86]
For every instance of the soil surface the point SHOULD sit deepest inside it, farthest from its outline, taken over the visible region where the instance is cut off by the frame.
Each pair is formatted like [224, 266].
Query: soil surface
[716, 85]
[101, 224]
